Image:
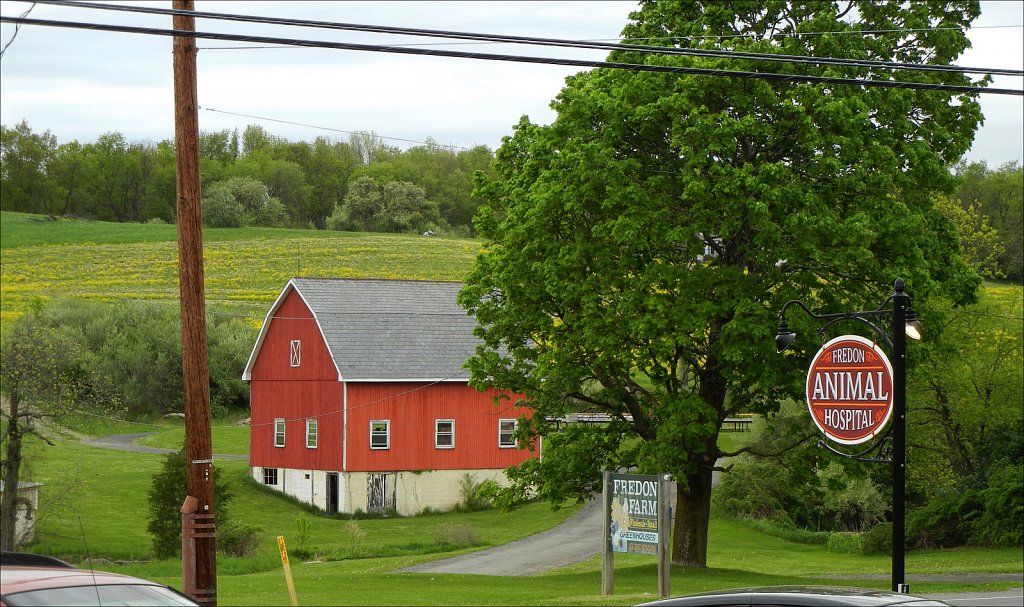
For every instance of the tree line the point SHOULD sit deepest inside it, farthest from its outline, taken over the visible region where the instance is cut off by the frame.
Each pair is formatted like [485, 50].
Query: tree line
[252, 178]
[259, 179]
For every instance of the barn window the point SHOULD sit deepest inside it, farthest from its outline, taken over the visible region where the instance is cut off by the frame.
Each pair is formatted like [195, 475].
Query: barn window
[295, 353]
[380, 434]
[270, 476]
[444, 433]
[311, 433]
[279, 432]
[506, 433]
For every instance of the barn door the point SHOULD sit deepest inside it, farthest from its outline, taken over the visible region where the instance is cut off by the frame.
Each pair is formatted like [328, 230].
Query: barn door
[380, 493]
[332, 492]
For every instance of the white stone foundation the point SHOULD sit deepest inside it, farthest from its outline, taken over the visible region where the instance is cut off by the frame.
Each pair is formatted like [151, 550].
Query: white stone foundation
[410, 492]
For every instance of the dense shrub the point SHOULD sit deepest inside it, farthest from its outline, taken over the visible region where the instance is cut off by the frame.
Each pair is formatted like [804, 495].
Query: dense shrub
[166, 495]
[134, 350]
[945, 521]
[789, 533]
[757, 489]
[801, 486]
[877, 540]
[852, 503]
[238, 540]
[983, 508]
[1002, 518]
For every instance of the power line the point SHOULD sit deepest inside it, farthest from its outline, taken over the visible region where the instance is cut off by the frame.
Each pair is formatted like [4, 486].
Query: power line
[678, 38]
[772, 76]
[902, 30]
[547, 42]
[17, 28]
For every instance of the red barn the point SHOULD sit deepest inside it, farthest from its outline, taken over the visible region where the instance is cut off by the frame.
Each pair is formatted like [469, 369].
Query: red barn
[360, 400]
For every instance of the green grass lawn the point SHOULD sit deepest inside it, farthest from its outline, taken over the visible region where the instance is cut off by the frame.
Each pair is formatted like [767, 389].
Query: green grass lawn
[228, 438]
[95, 503]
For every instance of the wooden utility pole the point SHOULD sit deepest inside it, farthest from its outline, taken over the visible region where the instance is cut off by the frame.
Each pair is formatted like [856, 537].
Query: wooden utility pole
[607, 558]
[198, 530]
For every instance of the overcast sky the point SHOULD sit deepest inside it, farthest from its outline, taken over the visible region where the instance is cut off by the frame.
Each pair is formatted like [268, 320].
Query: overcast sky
[80, 84]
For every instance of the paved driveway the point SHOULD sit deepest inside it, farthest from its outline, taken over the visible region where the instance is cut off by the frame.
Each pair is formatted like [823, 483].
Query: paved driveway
[126, 442]
[575, 540]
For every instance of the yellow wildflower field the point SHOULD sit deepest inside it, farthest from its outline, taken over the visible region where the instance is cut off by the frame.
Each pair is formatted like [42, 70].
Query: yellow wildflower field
[242, 276]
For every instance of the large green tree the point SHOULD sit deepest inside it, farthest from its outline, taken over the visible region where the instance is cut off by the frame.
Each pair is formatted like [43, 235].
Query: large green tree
[24, 159]
[41, 379]
[392, 206]
[966, 390]
[996, 197]
[639, 248]
[445, 175]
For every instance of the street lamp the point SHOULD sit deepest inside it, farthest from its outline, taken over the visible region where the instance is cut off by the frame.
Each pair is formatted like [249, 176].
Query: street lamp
[905, 324]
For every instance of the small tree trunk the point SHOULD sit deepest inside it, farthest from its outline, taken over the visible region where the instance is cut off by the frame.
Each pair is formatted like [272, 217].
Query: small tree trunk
[692, 516]
[11, 470]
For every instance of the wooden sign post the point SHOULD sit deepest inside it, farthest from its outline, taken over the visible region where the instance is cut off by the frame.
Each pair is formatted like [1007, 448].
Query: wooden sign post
[636, 519]
[287, 571]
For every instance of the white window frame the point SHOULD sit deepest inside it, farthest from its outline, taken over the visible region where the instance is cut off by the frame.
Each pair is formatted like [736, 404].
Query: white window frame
[267, 473]
[279, 432]
[438, 433]
[386, 433]
[312, 429]
[295, 353]
[515, 425]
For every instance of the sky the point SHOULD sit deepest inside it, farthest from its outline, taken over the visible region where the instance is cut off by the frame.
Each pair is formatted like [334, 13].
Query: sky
[80, 84]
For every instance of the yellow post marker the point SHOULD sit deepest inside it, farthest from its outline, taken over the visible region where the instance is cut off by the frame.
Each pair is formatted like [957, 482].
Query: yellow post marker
[287, 570]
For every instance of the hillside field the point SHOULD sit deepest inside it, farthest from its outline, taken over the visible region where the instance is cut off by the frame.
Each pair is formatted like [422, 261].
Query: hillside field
[245, 268]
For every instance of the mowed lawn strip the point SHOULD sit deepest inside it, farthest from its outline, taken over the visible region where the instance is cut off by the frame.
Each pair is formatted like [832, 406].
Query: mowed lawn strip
[227, 438]
[102, 498]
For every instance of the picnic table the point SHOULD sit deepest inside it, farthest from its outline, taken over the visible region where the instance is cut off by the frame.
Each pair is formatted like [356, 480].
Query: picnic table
[742, 423]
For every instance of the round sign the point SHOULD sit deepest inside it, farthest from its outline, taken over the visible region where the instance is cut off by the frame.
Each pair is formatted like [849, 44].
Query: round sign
[849, 389]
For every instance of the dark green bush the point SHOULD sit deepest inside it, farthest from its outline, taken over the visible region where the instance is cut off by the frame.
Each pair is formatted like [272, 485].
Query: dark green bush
[877, 540]
[945, 521]
[166, 495]
[239, 540]
[756, 489]
[789, 533]
[1002, 518]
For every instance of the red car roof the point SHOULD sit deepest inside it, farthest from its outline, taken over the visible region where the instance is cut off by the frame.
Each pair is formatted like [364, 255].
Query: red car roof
[22, 579]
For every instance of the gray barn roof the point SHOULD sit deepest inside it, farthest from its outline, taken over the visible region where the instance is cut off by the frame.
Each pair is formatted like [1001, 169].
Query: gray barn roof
[387, 329]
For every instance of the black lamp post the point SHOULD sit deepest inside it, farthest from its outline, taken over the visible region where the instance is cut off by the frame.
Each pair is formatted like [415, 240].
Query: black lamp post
[902, 316]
